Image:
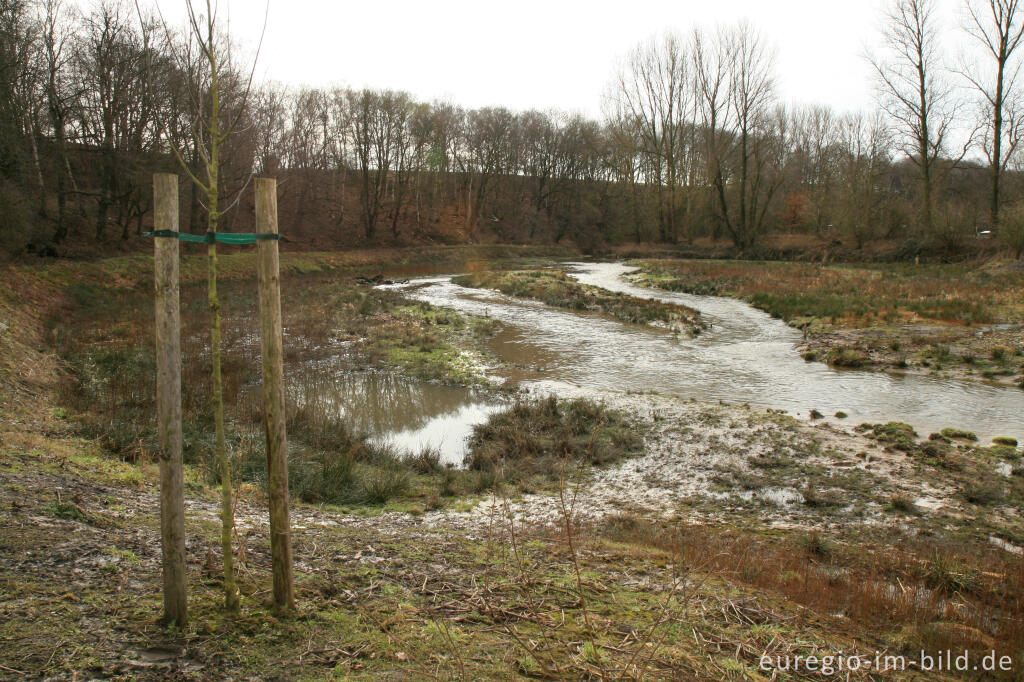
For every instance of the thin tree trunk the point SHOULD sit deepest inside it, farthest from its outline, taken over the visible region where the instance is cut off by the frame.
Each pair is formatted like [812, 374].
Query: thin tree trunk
[231, 595]
[997, 146]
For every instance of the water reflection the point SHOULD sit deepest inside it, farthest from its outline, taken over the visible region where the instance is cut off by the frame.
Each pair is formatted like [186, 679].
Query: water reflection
[406, 413]
[447, 433]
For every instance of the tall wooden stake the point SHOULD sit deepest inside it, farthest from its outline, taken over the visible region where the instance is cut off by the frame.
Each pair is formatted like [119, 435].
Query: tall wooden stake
[168, 399]
[273, 393]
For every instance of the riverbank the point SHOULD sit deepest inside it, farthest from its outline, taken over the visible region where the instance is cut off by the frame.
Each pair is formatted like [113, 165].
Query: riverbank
[953, 321]
[729, 534]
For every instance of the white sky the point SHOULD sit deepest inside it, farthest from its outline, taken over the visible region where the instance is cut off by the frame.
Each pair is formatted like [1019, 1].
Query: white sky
[549, 53]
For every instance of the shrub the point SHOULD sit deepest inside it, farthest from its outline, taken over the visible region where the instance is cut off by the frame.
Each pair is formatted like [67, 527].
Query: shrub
[940, 353]
[385, 484]
[814, 497]
[948, 576]
[816, 545]
[984, 493]
[559, 289]
[448, 486]
[899, 435]
[959, 434]
[318, 426]
[16, 231]
[941, 454]
[65, 510]
[846, 357]
[328, 478]
[903, 503]
[544, 436]
[1004, 452]
[426, 461]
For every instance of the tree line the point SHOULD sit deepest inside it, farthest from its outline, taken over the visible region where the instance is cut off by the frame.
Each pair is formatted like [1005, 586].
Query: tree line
[693, 143]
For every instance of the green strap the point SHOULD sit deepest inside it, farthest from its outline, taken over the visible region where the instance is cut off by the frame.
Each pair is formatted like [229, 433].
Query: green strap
[210, 237]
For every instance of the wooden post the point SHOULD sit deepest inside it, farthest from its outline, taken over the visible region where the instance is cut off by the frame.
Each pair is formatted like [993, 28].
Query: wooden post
[273, 393]
[168, 399]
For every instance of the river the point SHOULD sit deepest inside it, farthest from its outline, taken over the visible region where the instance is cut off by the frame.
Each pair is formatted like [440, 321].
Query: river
[745, 357]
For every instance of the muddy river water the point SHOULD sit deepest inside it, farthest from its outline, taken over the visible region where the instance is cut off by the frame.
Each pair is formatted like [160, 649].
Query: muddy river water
[745, 357]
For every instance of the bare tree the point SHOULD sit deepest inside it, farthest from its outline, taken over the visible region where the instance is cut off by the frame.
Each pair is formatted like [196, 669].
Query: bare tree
[751, 95]
[996, 25]
[1012, 234]
[339, 143]
[269, 123]
[741, 128]
[60, 96]
[305, 144]
[577, 164]
[375, 119]
[624, 162]
[399, 109]
[915, 94]
[653, 91]
[447, 123]
[488, 144]
[711, 61]
[816, 157]
[117, 108]
[421, 130]
[104, 74]
[211, 124]
[863, 160]
[20, 104]
[537, 163]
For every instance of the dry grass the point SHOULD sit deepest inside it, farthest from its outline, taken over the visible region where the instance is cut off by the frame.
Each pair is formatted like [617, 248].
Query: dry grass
[852, 295]
[887, 583]
[917, 318]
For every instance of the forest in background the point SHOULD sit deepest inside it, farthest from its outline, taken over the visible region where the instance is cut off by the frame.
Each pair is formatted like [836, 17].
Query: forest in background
[694, 146]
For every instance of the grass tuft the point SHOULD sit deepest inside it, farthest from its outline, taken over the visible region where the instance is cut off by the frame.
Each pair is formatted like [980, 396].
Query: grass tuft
[546, 437]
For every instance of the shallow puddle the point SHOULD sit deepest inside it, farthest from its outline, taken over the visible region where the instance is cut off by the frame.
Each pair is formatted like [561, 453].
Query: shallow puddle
[409, 415]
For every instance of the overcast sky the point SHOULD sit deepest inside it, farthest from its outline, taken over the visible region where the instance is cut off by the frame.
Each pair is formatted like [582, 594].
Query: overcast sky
[546, 54]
